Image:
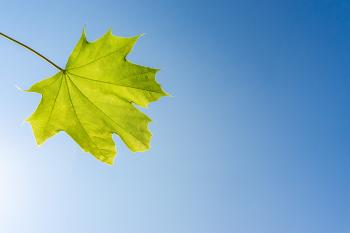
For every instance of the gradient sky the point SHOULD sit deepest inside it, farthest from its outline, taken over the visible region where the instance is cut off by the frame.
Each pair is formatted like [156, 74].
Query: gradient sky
[254, 140]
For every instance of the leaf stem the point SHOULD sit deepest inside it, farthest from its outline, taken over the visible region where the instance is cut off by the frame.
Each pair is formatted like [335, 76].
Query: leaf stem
[32, 50]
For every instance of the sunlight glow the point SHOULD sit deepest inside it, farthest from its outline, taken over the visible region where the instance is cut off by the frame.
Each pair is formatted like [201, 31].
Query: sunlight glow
[12, 182]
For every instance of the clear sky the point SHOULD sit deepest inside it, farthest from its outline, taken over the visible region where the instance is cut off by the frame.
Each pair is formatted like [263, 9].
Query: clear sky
[254, 140]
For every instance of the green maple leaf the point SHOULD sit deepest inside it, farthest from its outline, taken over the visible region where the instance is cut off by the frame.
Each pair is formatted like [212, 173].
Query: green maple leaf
[94, 97]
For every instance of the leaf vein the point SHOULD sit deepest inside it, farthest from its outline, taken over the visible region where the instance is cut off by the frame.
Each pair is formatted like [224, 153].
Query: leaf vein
[54, 103]
[88, 99]
[99, 58]
[115, 84]
[76, 116]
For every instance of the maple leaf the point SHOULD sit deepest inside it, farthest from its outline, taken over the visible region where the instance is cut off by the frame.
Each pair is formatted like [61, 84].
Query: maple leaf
[94, 97]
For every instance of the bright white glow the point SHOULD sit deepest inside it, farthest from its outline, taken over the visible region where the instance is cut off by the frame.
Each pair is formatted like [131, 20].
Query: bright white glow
[12, 182]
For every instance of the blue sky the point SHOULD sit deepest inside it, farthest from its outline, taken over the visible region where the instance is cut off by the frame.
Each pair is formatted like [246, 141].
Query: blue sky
[254, 140]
